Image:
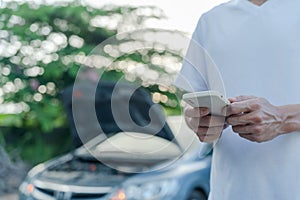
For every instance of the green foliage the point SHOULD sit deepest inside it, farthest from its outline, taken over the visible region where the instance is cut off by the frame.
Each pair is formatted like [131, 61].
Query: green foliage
[39, 48]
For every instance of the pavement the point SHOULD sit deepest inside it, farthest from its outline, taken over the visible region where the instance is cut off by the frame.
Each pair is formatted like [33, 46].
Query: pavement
[9, 197]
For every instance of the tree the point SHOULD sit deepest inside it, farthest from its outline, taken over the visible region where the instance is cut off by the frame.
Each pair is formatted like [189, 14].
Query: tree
[40, 52]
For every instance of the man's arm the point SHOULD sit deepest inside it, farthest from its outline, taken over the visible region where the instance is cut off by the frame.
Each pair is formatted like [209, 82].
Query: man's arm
[290, 118]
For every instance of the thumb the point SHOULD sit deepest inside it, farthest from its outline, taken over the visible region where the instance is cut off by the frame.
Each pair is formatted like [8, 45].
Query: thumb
[241, 98]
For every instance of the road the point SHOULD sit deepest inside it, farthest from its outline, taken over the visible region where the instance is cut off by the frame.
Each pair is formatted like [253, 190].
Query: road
[9, 197]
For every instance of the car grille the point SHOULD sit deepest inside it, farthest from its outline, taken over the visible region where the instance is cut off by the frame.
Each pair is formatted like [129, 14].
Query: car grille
[46, 191]
[82, 196]
[76, 180]
[45, 194]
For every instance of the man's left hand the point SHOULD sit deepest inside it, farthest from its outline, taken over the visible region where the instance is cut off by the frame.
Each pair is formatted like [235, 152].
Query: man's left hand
[254, 118]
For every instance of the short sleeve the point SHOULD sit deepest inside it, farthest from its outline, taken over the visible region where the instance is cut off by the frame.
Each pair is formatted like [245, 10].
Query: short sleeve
[191, 78]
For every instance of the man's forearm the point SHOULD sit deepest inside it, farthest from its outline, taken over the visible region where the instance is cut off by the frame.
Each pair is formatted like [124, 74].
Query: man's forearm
[291, 118]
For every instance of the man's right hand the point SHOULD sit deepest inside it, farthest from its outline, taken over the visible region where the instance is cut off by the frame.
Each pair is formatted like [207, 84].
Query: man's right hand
[207, 127]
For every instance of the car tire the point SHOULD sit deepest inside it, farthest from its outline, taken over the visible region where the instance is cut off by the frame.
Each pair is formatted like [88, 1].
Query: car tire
[197, 195]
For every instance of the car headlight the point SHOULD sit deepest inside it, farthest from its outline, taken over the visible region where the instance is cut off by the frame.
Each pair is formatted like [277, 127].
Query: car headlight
[26, 188]
[147, 191]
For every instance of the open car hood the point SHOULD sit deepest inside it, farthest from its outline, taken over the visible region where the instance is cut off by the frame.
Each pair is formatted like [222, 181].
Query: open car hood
[119, 124]
[131, 151]
[110, 108]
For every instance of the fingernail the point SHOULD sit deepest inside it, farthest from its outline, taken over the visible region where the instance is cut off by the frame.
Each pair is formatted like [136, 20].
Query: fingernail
[204, 110]
[232, 99]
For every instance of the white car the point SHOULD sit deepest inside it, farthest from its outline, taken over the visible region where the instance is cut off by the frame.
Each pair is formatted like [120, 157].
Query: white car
[128, 165]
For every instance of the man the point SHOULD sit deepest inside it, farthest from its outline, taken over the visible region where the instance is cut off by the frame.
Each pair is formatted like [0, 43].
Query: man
[256, 47]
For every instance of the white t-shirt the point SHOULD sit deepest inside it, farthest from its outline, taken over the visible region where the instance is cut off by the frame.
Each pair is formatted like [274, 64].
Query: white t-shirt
[257, 52]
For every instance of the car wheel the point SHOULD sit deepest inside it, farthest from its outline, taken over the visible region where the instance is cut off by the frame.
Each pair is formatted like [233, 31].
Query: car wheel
[197, 195]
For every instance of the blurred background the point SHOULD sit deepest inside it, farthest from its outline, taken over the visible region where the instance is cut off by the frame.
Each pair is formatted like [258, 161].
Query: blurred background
[43, 44]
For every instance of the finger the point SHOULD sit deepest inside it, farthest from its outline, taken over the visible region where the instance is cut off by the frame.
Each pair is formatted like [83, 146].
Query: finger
[254, 138]
[241, 98]
[208, 138]
[212, 121]
[249, 137]
[241, 107]
[194, 122]
[196, 112]
[237, 108]
[245, 106]
[243, 119]
[241, 129]
[248, 129]
[245, 135]
[209, 135]
[189, 122]
[204, 131]
[235, 120]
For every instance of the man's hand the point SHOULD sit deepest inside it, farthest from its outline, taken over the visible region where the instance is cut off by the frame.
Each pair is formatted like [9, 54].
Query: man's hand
[254, 118]
[208, 128]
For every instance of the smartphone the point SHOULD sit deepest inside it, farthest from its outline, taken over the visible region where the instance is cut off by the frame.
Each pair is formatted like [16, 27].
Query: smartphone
[213, 100]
